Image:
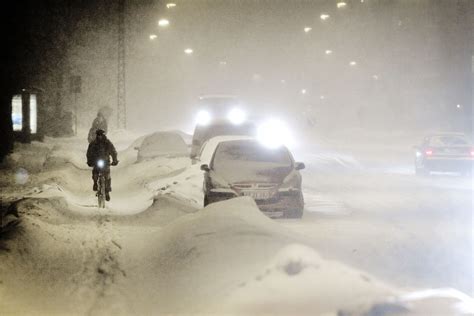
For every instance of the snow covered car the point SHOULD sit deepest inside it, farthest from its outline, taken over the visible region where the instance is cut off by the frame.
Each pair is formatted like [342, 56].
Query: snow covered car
[162, 144]
[244, 167]
[202, 133]
[449, 152]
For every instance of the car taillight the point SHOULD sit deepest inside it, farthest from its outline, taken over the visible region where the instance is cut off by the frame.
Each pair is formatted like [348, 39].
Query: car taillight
[429, 152]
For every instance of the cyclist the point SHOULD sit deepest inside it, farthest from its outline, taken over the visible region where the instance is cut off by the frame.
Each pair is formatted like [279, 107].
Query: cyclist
[101, 148]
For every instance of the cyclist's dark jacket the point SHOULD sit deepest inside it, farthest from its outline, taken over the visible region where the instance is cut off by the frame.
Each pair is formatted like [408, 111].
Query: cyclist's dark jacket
[101, 150]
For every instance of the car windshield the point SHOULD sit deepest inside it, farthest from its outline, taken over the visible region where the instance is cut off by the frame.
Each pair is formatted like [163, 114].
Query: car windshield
[250, 152]
[448, 141]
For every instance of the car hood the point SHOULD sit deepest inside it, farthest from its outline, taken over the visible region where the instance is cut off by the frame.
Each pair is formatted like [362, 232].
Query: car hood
[254, 173]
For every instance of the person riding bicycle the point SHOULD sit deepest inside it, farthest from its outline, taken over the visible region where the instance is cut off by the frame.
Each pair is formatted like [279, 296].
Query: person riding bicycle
[101, 149]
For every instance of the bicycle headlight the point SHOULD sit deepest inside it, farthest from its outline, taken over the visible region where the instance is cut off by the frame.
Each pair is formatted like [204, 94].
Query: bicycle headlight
[100, 163]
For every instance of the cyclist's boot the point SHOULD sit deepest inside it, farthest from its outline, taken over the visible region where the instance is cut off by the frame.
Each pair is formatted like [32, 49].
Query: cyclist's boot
[107, 196]
[94, 187]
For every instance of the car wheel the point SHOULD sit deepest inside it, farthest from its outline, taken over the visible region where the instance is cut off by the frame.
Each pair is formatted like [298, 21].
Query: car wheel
[296, 210]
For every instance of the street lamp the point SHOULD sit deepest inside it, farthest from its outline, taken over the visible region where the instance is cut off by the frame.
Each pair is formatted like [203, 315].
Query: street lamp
[376, 77]
[324, 16]
[303, 91]
[341, 5]
[353, 63]
[328, 52]
[163, 22]
[458, 106]
[307, 29]
[153, 37]
[171, 5]
[188, 51]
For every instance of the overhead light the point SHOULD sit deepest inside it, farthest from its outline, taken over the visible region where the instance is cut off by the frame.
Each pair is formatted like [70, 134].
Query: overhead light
[303, 91]
[322, 97]
[376, 77]
[171, 5]
[341, 5]
[458, 106]
[283, 81]
[328, 52]
[188, 51]
[153, 37]
[324, 16]
[307, 29]
[353, 63]
[163, 22]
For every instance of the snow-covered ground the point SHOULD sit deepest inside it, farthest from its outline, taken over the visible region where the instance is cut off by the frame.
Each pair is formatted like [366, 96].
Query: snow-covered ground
[155, 250]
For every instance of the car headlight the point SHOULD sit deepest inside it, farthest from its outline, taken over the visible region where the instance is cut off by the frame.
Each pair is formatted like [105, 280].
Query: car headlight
[236, 116]
[273, 134]
[203, 118]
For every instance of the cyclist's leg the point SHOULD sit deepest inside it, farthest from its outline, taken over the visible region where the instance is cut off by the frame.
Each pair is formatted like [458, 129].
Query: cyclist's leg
[108, 180]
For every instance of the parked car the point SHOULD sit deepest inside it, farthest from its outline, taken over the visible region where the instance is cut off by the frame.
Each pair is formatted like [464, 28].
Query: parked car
[162, 144]
[244, 167]
[448, 152]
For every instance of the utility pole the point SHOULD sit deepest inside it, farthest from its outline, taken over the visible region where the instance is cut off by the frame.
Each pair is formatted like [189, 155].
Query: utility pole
[121, 106]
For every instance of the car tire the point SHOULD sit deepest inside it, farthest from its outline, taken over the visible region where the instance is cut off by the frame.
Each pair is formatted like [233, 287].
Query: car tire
[297, 210]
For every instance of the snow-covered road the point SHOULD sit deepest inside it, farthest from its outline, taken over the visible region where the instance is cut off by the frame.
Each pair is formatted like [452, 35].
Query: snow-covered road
[367, 237]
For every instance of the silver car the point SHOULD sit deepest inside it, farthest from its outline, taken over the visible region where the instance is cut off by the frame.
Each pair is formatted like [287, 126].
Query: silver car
[247, 168]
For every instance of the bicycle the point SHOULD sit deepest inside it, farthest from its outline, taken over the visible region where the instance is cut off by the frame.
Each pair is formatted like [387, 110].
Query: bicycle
[101, 183]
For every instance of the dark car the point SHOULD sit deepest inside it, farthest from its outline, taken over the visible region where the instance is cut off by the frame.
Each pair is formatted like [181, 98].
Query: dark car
[247, 168]
[444, 153]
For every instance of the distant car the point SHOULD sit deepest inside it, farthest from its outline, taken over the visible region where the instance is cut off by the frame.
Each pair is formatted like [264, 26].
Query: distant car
[244, 167]
[202, 133]
[450, 152]
[162, 144]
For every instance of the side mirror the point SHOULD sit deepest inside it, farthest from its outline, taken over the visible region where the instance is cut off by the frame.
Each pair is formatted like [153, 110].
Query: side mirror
[299, 165]
[205, 167]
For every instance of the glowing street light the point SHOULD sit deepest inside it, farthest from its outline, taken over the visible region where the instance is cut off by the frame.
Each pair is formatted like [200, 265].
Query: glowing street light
[303, 91]
[153, 37]
[188, 51]
[324, 16]
[222, 63]
[353, 63]
[163, 22]
[171, 5]
[307, 29]
[341, 5]
[458, 106]
[328, 52]
[322, 97]
[375, 77]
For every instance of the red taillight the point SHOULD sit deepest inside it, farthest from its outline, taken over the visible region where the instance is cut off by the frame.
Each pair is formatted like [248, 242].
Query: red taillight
[429, 152]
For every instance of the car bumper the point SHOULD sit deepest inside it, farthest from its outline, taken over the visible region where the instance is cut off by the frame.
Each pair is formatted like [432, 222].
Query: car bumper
[275, 205]
[449, 164]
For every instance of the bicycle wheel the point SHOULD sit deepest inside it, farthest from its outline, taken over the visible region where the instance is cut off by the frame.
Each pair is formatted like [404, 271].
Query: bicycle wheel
[101, 192]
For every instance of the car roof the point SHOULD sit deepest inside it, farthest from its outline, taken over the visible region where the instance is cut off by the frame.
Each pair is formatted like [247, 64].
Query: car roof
[210, 146]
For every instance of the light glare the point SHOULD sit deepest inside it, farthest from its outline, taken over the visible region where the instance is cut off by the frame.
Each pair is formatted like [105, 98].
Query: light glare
[341, 5]
[153, 37]
[236, 116]
[163, 22]
[273, 134]
[324, 16]
[188, 51]
[171, 5]
[100, 163]
[203, 118]
[328, 52]
[307, 29]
